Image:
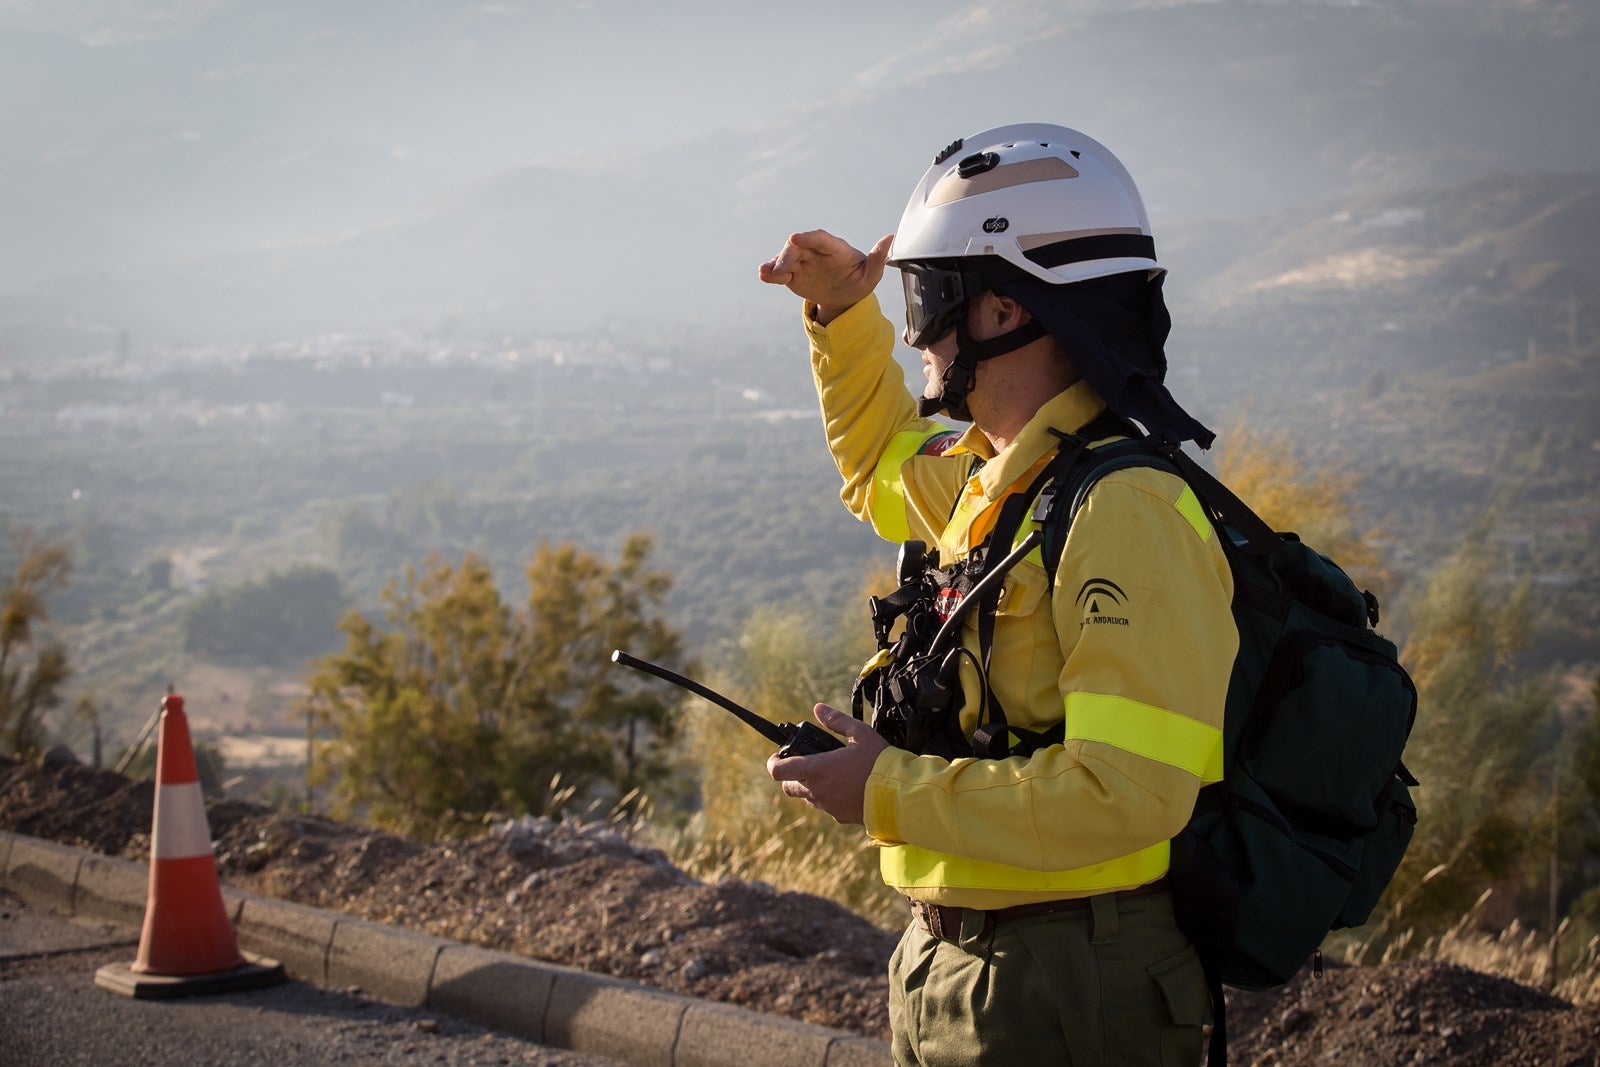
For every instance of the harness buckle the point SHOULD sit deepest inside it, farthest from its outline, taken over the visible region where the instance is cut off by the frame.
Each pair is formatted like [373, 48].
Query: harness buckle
[1041, 506]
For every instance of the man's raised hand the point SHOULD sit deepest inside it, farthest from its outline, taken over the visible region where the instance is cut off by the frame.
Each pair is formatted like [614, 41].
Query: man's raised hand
[826, 270]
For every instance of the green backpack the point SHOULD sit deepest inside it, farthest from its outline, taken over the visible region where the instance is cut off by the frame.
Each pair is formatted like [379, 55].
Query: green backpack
[1314, 812]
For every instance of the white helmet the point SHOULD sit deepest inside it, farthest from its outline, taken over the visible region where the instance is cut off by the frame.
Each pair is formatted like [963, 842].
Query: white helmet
[1045, 200]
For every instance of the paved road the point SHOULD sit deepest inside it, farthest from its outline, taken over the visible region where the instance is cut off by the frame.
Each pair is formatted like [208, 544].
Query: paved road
[52, 1013]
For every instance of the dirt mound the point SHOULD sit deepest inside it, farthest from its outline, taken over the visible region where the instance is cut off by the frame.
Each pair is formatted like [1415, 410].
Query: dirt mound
[588, 898]
[1416, 1011]
[583, 897]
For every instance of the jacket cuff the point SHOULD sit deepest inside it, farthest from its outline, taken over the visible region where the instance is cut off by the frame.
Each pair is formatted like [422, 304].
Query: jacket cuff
[878, 803]
[855, 325]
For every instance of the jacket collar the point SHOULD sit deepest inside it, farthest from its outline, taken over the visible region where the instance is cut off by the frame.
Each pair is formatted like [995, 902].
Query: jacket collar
[1068, 411]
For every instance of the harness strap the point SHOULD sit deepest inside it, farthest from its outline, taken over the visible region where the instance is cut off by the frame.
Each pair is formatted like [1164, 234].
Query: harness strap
[1218, 497]
[992, 736]
[992, 726]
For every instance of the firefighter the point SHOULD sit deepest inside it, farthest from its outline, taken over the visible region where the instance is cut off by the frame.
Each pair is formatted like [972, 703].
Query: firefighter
[1042, 929]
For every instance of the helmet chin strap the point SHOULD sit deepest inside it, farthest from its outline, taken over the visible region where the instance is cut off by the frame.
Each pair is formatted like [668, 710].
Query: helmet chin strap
[956, 383]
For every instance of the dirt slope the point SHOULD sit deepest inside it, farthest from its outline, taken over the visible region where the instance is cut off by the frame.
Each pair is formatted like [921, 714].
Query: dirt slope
[587, 898]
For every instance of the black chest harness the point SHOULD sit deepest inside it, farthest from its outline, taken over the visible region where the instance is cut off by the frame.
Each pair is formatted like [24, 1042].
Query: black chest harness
[913, 684]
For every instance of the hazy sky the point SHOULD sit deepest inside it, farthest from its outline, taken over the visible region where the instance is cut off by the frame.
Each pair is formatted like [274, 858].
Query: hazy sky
[523, 78]
[162, 159]
[128, 103]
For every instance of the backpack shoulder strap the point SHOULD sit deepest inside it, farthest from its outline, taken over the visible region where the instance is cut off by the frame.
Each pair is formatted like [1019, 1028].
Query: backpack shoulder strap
[1220, 503]
[1071, 492]
[991, 736]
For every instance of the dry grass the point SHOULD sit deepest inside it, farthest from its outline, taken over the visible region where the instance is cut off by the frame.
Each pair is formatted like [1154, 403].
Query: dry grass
[1571, 972]
[806, 854]
[798, 857]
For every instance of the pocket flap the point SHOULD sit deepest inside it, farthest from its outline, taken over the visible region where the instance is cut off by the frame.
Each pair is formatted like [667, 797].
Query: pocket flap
[1182, 982]
[1024, 587]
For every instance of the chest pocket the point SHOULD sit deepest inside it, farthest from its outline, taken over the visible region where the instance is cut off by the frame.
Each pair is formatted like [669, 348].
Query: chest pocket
[1023, 590]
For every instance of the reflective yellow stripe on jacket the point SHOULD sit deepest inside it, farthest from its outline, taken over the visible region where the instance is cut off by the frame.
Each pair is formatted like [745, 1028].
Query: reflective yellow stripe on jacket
[1147, 731]
[1154, 733]
[910, 867]
[889, 517]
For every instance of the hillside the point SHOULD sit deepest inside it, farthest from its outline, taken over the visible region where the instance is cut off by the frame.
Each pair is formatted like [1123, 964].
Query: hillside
[586, 897]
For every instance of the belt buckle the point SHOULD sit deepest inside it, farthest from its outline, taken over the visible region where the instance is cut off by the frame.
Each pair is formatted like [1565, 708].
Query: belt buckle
[938, 920]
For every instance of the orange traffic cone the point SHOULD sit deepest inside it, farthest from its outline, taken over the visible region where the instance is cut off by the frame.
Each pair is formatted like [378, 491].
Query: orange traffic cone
[187, 945]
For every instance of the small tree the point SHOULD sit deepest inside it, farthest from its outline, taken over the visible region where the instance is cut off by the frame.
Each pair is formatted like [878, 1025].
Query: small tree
[1261, 468]
[587, 609]
[1579, 814]
[209, 764]
[1586, 771]
[463, 706]
[30, 676]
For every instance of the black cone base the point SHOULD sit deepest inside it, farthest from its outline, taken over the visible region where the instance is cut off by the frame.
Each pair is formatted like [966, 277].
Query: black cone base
[257, 971]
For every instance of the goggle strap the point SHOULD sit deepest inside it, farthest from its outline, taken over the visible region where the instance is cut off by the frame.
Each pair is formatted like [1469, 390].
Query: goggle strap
[957, 380]
[975, 352]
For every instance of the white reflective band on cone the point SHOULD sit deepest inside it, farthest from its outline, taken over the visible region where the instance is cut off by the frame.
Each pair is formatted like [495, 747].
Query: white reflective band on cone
[180, 830]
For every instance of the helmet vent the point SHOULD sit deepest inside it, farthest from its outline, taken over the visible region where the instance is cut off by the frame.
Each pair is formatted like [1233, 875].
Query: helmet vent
[1075, 153]
[949, 150]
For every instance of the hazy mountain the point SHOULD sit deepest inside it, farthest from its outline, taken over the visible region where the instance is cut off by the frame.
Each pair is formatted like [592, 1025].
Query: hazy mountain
[1276, 314]
[275, 168]
[1509, 239]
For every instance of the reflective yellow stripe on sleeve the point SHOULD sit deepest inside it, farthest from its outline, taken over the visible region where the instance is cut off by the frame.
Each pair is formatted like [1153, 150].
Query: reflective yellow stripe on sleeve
[1148, 731]
[888, 492]
[910, 867]
[1188, 506]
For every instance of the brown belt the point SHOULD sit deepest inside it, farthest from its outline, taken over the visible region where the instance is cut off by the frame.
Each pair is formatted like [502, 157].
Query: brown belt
[944, 921]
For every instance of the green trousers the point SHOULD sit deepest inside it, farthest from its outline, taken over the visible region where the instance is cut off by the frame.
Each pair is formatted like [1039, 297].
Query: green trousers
[1115, 982]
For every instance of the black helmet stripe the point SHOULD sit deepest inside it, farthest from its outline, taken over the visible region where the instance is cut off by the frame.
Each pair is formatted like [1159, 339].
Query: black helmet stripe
[1100, 246]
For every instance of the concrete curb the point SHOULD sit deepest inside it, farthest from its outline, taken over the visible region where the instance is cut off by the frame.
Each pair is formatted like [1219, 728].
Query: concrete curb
[43, 872]
[293, 934]
[543, 1002]
[112, 889]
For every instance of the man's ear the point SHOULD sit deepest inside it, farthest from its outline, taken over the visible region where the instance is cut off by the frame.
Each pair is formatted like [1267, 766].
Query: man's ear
[1005, 313]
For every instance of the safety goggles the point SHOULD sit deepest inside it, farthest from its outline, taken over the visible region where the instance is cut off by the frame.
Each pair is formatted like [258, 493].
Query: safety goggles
[935, 297]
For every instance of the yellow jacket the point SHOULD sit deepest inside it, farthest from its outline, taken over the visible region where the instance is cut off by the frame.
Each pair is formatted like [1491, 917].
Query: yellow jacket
[1134, 646]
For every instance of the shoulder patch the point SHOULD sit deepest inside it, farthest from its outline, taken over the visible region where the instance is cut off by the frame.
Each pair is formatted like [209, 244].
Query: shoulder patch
[1102, 602]
[939, 443]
